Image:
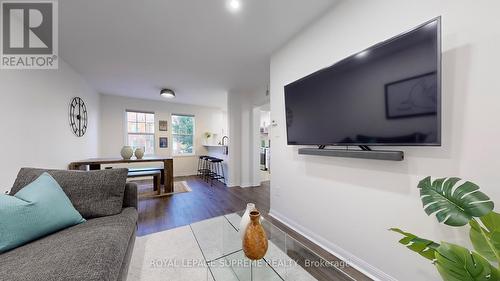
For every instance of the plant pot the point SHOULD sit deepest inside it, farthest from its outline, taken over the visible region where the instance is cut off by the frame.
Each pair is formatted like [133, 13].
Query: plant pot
[255, 240]
[127, 152]
[139, 152]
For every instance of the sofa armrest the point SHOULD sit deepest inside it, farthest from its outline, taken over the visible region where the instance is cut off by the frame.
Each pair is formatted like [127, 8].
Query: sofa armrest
[130, 196]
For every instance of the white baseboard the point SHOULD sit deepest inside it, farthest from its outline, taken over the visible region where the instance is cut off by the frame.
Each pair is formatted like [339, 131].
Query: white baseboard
[357, 263]
[184, 174]
[231, 184]
[249, 185]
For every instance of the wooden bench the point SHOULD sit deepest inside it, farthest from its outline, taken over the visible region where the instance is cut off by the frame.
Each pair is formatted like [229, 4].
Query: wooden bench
[150, 169]
[155, 173]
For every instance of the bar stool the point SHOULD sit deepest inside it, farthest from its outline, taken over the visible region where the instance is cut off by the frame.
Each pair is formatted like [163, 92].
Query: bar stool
[203, 166]
[207, 168]
[216, 168]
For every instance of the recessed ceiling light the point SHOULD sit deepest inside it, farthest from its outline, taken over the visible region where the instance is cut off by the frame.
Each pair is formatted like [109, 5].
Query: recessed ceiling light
[234, 5]
[167, 93]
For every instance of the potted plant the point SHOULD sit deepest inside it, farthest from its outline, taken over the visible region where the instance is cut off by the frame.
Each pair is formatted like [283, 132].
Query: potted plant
[207, 136]
[457, 204]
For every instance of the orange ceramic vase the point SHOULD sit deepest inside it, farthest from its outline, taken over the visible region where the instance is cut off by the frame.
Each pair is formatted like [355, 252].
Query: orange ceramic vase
[255, 239]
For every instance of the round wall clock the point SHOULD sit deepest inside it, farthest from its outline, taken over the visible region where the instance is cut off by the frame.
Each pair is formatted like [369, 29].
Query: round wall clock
[78, 117]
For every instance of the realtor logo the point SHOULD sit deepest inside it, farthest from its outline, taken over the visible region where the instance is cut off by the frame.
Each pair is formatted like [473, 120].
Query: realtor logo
[29, 35]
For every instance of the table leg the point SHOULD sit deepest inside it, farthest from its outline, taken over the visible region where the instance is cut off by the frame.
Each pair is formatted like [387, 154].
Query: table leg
[93, 167]
[168, 170]
[157, 184]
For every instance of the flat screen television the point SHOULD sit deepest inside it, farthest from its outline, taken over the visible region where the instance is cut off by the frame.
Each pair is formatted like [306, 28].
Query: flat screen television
[388, 94]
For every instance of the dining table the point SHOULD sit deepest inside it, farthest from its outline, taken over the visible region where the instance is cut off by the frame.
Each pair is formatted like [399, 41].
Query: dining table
[96, 164]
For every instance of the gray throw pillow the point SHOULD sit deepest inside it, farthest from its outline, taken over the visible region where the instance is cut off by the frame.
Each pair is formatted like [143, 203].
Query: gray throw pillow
[94, 193]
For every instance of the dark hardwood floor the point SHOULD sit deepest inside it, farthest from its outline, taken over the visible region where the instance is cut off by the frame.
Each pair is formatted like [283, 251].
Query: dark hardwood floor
[205, 201]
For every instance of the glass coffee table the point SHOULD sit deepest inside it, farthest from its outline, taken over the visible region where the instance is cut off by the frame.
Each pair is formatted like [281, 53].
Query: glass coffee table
[286, 258]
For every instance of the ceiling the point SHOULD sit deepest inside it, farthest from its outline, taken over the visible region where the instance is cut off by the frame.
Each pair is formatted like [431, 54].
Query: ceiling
[198, 48]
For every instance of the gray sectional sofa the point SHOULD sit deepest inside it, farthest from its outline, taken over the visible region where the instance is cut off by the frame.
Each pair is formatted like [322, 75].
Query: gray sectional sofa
[99, 249]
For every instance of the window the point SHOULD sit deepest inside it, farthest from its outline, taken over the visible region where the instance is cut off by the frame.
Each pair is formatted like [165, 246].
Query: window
[183, 134]
[141, 131]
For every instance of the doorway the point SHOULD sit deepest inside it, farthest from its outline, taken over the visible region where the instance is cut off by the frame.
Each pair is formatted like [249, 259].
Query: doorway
[264, 144]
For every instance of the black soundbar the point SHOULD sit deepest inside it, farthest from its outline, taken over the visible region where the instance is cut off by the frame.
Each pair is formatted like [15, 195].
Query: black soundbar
[391, 155]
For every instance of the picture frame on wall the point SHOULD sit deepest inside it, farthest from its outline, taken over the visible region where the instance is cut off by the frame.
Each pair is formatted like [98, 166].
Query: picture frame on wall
[163, 125]
[163, 142]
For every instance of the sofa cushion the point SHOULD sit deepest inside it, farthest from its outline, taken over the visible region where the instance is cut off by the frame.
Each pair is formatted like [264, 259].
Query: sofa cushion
[93, 251]
[40, 208]
[94, 193]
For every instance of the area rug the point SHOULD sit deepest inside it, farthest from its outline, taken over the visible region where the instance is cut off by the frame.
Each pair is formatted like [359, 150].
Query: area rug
[159, 257]
[146, 189]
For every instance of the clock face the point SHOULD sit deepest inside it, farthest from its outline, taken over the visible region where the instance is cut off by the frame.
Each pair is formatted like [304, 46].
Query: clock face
[78, 117]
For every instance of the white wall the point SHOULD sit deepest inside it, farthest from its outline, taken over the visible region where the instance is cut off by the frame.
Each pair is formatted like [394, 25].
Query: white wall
[244, 137]
[34, 120]
[347, 205]
[113, 134]
[234, 104]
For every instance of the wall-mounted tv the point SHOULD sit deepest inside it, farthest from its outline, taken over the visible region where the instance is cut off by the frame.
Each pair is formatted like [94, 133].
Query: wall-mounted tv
[388, 94]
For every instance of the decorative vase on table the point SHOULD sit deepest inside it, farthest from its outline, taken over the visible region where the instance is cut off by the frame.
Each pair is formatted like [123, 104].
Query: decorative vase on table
[245, 219]
[255, 240]
[139, 152]
[207, 136]
[127, 152]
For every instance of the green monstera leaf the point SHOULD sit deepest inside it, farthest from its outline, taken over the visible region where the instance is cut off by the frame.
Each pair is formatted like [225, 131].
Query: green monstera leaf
[487, 241]
[491, 221]
[425, 248]
[456, 263]
[453, 205]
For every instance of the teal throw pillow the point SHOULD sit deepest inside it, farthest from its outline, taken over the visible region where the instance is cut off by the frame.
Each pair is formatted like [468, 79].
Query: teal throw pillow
[38, 209]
